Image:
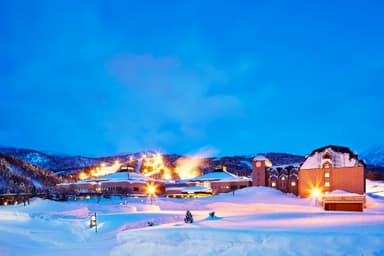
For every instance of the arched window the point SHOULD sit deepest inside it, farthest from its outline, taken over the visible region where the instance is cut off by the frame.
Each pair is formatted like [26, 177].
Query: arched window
[327, 156]
[327, 164]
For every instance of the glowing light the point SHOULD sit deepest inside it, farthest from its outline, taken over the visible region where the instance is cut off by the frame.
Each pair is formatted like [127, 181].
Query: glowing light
[116, 163]
[293, 183]
[188, 167]
[155, 165]
[82, 176]
[5, 203]
[273, 184]
[102, 165]
[167, 176]
[316, 192]
[151, 189]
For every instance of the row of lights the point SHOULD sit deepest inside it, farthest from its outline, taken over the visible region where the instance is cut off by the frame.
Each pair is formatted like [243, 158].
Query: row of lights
[96, 172]
[293, 183]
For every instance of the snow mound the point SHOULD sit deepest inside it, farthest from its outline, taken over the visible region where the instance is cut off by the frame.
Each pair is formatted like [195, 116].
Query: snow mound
[197, 241]
[145, 207]
[14, 216]
[82, 212]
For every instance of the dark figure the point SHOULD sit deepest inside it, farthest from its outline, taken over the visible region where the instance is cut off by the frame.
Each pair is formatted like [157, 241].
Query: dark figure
[188, 217]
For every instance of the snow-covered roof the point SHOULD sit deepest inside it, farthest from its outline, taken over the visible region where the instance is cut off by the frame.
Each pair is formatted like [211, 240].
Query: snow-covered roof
[115, 177]
[268, 163]
[218, 175]
[338, 156]
[125, 176]
[341, 193]
[189, 189]
[259, 158]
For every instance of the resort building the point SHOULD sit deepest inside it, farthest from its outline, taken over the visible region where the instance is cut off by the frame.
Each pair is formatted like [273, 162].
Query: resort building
[331, 168]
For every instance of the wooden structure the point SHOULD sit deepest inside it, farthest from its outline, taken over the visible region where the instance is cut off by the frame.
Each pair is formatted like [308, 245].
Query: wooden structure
[343, 201]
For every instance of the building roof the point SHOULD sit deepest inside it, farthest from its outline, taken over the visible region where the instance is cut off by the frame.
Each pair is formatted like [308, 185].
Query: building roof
[218, 175]
[116, 177]
[268, 163]
[188, 190]
[339, 156]
[126, 176]
[339, 149]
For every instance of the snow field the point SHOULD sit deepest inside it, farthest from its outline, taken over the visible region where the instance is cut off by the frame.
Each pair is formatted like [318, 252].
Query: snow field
[254, 221]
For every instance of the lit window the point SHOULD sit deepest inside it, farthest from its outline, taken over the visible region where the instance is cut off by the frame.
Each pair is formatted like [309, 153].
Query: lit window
[273, 184]
[327, 184]
[327, 175]
[293, 183]
[283, 178]
[327, 165]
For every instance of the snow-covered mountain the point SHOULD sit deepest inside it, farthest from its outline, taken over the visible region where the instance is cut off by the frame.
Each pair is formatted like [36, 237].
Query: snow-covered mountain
[21, 176]
[59, 163]
[374, 155]
[30, 167]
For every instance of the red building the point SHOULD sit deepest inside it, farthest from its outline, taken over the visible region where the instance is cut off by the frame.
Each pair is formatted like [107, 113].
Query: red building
[331, 168]
[332, 174]
[284, 177]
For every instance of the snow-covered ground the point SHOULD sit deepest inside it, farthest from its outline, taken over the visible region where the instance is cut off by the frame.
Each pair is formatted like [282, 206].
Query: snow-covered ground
[253, 221]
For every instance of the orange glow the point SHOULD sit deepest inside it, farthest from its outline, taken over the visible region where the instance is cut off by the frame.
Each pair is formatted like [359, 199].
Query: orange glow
[188, 167]
[167, 176]
[316, 192]
[82, 176]
[102, 165]
[151, 189]
[116, 163]
[155, 165]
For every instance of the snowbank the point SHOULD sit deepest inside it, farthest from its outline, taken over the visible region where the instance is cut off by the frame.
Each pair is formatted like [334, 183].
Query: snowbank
[13, 216]
[252, 221]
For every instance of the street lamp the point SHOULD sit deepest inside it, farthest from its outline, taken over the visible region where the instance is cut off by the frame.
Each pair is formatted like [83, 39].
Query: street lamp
[151, 190]
[315, 194]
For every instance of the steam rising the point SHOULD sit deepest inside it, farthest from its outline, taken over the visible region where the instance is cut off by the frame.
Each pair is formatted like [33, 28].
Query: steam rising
[188, 167]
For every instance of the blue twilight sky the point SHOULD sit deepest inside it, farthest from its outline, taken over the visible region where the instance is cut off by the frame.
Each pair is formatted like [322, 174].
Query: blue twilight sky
[237, 77]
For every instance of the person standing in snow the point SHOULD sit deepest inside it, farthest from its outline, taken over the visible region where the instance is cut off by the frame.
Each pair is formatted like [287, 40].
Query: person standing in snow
[188, 217]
